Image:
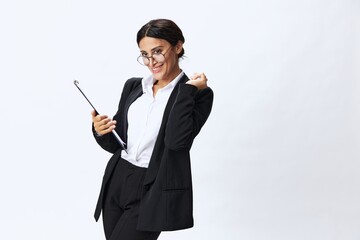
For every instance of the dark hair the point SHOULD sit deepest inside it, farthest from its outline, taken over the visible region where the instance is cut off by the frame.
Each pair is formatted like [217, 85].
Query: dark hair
[162, 29]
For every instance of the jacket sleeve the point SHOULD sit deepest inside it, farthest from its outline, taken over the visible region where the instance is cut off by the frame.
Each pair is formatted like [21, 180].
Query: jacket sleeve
[189, 113]
[108, 142]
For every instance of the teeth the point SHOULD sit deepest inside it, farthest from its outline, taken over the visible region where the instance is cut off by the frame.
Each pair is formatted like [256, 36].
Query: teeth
[156, 68]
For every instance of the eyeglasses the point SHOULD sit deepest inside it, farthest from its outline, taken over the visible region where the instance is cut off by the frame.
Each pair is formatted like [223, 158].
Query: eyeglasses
[157, 56]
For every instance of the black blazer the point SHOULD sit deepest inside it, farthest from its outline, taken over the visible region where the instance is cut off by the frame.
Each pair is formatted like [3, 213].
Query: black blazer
[167, 202]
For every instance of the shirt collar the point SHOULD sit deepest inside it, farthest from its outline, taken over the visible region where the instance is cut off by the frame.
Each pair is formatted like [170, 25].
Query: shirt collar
[148, 82]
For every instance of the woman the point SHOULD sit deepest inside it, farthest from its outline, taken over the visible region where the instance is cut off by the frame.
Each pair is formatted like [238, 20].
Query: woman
[147, 184]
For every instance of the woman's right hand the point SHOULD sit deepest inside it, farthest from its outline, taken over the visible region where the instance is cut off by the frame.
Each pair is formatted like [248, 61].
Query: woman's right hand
[102, 123]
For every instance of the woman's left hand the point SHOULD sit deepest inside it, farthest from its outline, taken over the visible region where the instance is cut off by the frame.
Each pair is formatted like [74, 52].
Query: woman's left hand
[198, 80]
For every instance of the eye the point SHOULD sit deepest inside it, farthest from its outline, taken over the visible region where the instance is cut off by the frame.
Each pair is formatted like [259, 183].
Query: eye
[157, 51]
[143, 54]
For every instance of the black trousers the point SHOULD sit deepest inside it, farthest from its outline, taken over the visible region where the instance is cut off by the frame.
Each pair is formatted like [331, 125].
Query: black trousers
[121, 203]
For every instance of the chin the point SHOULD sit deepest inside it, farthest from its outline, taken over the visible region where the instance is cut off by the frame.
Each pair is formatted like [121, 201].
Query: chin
[158, 76]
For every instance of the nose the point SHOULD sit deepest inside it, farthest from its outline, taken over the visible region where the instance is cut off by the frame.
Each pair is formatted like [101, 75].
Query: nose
[152, 61]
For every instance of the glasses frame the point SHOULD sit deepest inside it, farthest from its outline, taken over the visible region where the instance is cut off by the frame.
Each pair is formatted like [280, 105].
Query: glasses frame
[140, 59]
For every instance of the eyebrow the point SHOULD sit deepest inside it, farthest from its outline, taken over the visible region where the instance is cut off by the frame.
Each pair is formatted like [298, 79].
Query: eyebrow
[160, 46]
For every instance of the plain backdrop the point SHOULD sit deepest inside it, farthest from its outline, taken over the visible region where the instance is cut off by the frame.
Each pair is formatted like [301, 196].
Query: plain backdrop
[278, 159]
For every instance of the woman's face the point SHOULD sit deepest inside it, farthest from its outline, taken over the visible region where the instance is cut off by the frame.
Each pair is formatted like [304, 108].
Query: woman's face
[163, 58]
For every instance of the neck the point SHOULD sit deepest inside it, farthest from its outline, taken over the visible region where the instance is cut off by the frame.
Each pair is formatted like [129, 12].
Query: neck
[164, 82]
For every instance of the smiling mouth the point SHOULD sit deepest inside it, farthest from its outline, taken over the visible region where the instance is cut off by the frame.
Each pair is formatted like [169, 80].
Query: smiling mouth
[156, 69]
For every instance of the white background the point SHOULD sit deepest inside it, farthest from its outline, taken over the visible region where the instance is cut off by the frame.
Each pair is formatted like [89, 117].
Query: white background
[279, 157]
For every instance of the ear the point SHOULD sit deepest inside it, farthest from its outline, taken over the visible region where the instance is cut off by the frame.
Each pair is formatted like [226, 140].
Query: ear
[179, 47]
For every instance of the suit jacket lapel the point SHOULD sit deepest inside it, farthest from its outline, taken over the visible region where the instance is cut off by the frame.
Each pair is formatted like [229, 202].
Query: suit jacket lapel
[156, 156]
[133, 95]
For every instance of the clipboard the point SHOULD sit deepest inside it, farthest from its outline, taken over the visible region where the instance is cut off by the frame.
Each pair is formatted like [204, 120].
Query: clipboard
[121, 142]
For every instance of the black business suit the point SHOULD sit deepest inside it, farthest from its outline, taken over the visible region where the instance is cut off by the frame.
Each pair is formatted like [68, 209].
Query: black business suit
[166, 202]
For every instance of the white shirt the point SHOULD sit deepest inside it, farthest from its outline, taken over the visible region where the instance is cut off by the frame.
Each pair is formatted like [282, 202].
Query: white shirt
[144, 120]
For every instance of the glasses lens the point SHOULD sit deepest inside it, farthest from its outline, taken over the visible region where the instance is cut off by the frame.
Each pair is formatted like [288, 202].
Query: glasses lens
[158, 57]
[143, 60]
